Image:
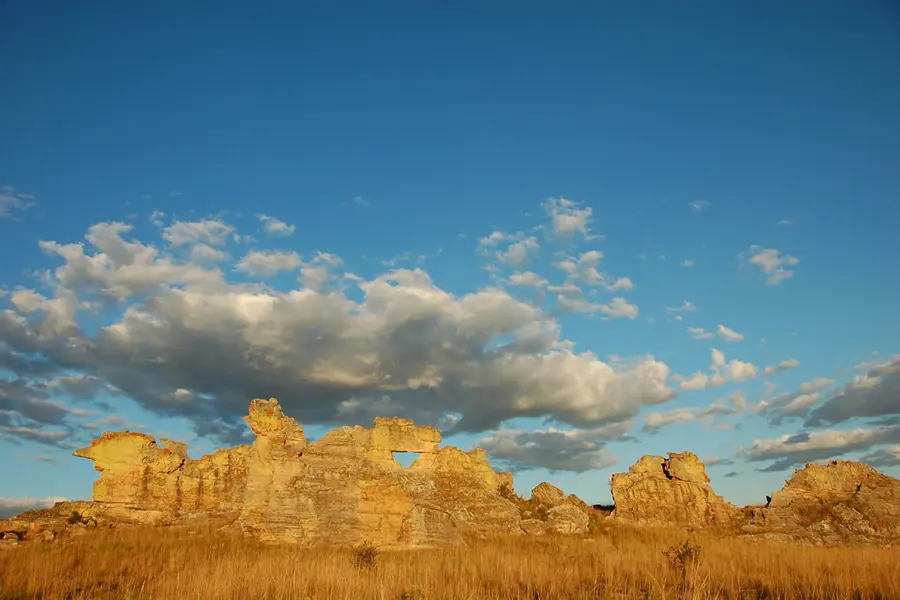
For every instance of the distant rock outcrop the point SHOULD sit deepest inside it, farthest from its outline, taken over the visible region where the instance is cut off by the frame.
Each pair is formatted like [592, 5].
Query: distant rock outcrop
[671, 491]
[342, 489]
[839, 502]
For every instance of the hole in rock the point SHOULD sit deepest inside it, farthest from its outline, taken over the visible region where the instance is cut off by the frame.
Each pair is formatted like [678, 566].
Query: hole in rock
[405, 458]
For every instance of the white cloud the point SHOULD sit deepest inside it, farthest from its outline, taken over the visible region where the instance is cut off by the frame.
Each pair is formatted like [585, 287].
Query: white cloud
[782, 366]
[799, 448]
[734, 404]
[771, 262]
[698, 333]
[527, 279]
[722, 373]
[276, 227]
[568, 218]
[685, 307]
[11, 200]
[699, 206]
[210, 231]
[267, 263]
[784, 223]
[520, 253]
[484, 356]
[617, 308]
[10, 507]
[728, 334]
[654, 421]
[584, 270]
[687, 263]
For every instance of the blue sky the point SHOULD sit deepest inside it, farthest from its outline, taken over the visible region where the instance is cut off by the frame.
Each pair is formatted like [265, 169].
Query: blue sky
[489, 218]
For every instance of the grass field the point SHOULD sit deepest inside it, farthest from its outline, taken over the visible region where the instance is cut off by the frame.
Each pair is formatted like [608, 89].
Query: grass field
[620, 562]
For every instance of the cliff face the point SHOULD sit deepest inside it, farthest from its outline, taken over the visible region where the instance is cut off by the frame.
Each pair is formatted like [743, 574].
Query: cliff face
[342, 489]
[670, 491]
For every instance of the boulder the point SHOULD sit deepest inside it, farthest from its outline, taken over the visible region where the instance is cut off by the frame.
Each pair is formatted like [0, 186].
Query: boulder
[547, 494]
[670, 491]
[567, 519]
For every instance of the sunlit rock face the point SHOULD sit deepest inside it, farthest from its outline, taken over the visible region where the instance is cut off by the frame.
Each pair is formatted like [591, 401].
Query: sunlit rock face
[670, 491]
[342, 489]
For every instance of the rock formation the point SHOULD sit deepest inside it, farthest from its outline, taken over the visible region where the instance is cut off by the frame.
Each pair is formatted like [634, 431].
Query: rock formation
[671, 491]
[839, 502]
[342, 489]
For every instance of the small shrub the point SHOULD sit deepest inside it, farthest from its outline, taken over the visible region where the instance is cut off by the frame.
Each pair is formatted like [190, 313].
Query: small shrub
[74, 518]
[365, 555]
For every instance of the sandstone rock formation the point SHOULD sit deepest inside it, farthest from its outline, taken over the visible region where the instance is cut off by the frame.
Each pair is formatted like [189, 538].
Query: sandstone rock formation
[670, 491]
[342, 489]
[839, 502]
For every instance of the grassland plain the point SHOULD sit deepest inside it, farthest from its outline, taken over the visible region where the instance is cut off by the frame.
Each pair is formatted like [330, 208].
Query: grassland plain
[617, 561]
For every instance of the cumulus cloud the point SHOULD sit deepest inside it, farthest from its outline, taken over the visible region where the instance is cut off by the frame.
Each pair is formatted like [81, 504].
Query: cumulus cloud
[527, 279]
[183, 342]
[276, 227]
[784, 223]
[794, 405]
[728, 334]
[210, 231]
[722, 372]
[699, 206]
[577, 450]
[732, 405]
[771, 262]
[267, 263]
[617, 308]
[568, 218]
[782, 366]
[789, 450]
[11, 200]
[10, 507]
[873, 394]
[583, 269]
[519, 253]
[687, 263]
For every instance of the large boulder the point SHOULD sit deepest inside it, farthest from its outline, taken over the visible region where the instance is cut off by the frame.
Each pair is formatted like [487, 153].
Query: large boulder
[670, 491]
[342, 489]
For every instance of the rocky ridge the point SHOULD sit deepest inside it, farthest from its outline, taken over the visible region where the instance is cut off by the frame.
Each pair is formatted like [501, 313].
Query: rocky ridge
[347, 487]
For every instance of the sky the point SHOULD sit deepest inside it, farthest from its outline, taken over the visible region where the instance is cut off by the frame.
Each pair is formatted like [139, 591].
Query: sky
[569, 233]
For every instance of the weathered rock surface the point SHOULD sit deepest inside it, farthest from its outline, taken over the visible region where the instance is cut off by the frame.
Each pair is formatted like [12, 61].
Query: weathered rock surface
[671, 491]
[839, 502]
[342, 489]
[567, 519]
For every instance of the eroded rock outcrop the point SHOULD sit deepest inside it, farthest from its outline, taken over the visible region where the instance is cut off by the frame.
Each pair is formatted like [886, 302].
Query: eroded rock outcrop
[838, 502]
[670, 491]
[342, 489]
[841, 502]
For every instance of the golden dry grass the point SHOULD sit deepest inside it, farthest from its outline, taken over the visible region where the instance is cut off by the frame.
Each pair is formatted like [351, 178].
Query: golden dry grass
[621, 562]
